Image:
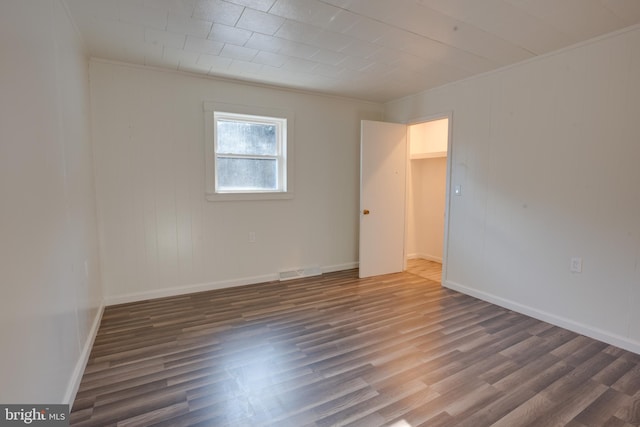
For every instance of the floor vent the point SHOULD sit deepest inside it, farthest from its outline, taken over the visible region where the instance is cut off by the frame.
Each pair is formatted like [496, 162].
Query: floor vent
[297, 274]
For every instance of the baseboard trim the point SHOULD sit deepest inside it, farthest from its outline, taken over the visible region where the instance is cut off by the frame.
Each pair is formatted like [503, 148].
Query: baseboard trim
[78, 371]
[563, 322]
[188, 289]
[202, 287]
[425, 257]
[340, 267]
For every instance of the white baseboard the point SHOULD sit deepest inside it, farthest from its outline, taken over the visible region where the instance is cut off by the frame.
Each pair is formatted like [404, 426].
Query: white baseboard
[78, 371]
[340, 267]
[189, 289]
[563, 322]
[425, 256]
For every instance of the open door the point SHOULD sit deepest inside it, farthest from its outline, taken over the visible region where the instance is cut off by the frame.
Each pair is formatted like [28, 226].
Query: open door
[383, 162]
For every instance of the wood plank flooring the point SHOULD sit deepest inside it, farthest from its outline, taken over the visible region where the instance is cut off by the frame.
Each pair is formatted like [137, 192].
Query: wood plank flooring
[427, 269]
[396, 350]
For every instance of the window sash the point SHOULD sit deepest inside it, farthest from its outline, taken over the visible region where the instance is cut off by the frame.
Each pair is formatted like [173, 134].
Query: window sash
[264, 176]
[280, 157]
[275, 122]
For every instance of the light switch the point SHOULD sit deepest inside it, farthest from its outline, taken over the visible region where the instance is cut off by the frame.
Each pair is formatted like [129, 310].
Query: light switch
[576, 265]
[457, 190]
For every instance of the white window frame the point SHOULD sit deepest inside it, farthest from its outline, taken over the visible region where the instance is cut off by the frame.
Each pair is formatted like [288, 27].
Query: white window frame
[284, 118]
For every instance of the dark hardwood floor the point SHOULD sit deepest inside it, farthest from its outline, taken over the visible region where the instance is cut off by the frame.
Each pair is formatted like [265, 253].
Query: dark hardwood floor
[336, 350]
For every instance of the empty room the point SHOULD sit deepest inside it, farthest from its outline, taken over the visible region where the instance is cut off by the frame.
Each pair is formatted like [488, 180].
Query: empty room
[320, 213]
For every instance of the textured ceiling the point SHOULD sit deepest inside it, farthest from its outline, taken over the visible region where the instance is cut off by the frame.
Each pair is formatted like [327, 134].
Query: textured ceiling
[376, 50]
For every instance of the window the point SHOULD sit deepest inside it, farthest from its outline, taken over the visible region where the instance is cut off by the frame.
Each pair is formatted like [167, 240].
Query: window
[248, 155]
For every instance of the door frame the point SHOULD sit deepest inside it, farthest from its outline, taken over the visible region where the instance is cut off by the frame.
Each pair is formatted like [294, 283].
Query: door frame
[447, 203]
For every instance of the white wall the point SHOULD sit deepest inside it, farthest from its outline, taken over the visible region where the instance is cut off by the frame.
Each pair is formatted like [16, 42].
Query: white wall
[159, 236]
[547, 153]
[47, 215]
[425, 217]
[429, 138]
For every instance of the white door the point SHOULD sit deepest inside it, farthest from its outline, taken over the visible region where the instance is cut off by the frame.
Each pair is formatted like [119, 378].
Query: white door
[383, 162]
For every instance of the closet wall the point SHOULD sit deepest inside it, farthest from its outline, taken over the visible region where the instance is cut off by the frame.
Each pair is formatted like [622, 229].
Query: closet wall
[426, 187]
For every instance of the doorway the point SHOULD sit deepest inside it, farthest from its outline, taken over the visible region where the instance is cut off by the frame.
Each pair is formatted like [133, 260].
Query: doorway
[426, 197]
[386, 188]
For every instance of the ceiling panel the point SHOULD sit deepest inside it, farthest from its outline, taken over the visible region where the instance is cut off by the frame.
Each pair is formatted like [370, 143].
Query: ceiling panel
[183, 24]
[311, 12]
[271, 59]
[627, 11]
[260, 22]
[582, 19]
[218, 11]
[261, 5]
[377, 50]
[227, 34]
[504, 20]
[196, 44]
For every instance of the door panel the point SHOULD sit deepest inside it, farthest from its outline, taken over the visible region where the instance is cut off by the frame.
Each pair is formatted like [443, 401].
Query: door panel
[383, 161]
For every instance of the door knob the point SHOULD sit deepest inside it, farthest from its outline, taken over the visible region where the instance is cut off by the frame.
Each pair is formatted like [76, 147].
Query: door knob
[365, 212]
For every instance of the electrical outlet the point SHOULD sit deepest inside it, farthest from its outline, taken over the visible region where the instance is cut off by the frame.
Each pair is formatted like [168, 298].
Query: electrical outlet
[576, 265]
[252, 237]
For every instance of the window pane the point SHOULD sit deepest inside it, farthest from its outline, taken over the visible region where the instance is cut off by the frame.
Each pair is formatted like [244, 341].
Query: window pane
[247, 174]
[235, 137]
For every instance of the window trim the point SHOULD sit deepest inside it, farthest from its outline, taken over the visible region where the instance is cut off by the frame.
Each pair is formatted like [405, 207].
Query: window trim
[210, 108]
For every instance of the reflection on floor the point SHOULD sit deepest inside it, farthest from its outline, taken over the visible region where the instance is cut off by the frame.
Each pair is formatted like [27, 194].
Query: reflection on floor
[336, 350]
[428, 269]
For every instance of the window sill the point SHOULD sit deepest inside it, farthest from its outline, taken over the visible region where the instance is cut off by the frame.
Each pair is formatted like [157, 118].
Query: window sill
[222, 197]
